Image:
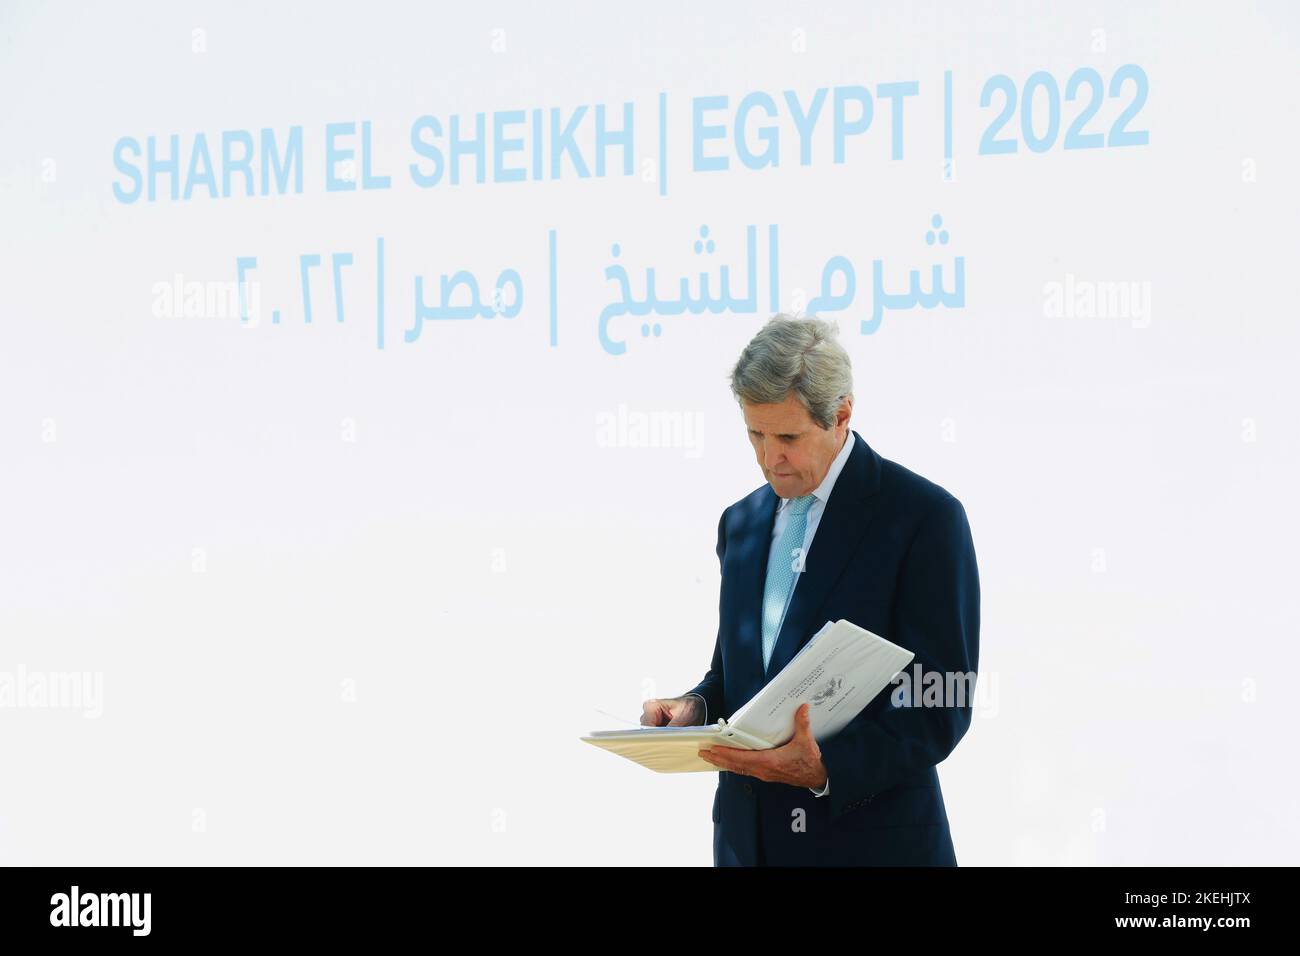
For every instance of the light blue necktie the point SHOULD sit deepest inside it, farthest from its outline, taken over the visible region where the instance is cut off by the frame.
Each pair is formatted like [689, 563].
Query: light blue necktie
[781, 573]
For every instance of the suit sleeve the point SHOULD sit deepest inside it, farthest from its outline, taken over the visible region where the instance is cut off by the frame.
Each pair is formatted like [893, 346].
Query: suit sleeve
[937, 618]
[711, 687]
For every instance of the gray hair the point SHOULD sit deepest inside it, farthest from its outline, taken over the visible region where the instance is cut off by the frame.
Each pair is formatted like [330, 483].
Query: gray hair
[799, 355]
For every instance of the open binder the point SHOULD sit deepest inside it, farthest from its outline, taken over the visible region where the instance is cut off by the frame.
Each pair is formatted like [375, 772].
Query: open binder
[838, 672]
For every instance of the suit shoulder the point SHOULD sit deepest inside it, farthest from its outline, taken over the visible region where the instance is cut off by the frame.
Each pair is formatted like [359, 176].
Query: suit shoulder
[754, 499]
[913, 492]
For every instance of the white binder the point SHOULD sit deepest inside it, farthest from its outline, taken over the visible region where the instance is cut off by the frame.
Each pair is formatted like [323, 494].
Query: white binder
[838, 672]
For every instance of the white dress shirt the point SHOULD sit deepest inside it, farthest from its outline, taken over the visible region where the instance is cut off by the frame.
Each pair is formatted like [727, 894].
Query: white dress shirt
[814, 515]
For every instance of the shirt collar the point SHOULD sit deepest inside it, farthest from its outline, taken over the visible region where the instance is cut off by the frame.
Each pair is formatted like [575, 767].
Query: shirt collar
[823, 491]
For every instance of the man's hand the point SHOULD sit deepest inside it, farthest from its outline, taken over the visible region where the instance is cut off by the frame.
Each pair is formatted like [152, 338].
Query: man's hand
[672, 712]
[798, 763]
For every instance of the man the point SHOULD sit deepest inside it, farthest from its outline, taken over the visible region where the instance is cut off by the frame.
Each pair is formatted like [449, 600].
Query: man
[836, 532]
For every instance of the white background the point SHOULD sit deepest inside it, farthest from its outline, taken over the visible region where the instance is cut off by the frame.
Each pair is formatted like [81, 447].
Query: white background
[485, 574]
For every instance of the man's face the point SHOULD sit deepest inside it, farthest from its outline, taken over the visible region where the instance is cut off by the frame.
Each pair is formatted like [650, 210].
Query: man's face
[794, 452]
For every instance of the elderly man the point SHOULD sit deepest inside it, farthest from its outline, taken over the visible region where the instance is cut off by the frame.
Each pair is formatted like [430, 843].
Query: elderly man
[836, 532]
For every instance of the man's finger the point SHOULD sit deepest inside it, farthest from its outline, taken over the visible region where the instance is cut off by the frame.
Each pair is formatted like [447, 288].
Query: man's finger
[738, 760]
[710, 757]
[716, 758]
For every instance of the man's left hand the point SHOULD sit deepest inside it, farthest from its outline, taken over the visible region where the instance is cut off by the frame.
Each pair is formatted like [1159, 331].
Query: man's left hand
[798, 763]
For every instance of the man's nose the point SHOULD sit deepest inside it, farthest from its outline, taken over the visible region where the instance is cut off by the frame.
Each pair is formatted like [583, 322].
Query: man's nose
[771, 456]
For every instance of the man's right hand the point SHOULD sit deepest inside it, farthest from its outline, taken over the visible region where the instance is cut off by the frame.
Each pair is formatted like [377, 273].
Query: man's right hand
[672, 712]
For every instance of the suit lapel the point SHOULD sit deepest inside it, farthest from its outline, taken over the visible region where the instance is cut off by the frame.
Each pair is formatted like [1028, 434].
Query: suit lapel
[754, 543]
[842, 527]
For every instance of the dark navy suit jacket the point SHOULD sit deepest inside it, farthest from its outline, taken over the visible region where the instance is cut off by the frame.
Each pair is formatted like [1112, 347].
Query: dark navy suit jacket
[893, 554]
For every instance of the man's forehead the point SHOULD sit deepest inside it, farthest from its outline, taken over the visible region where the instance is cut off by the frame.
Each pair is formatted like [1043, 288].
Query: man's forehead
[786, 418]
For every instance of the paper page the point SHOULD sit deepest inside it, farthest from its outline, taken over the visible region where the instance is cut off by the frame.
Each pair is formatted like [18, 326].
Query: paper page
[839, 671]
[665, 749]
